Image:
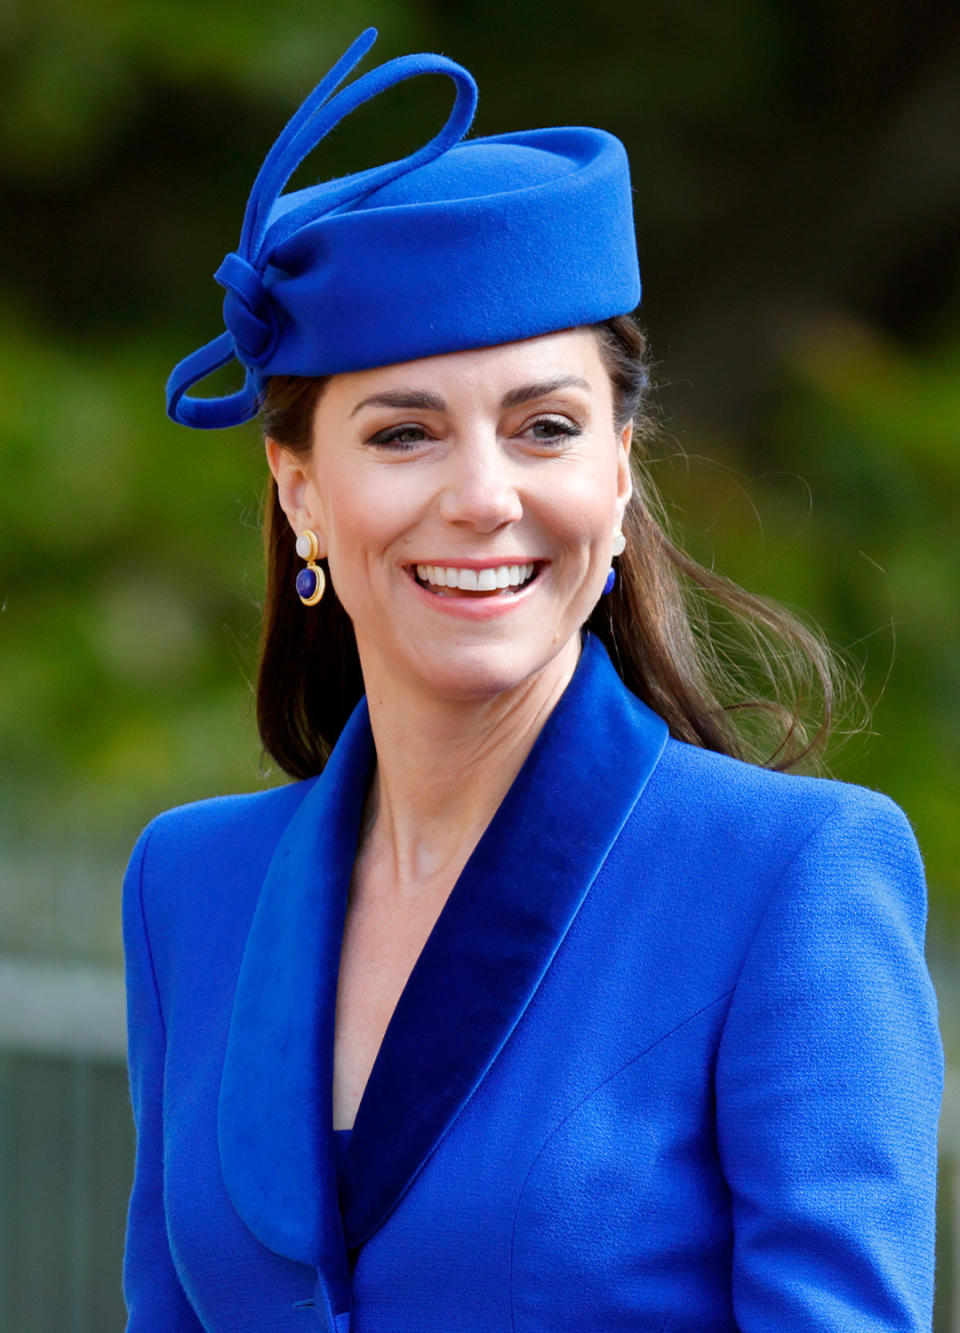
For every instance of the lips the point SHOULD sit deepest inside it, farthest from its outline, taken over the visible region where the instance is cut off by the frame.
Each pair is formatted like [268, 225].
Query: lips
[461, 581]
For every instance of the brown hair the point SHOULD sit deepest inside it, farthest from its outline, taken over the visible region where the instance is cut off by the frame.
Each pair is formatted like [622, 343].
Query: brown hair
[727, 670]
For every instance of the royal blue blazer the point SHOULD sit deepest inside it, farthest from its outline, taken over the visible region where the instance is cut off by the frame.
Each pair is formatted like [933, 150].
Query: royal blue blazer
[669, 1059]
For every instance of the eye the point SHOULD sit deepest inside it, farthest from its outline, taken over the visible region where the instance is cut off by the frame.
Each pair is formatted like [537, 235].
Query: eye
[555, 428]
[399, 437]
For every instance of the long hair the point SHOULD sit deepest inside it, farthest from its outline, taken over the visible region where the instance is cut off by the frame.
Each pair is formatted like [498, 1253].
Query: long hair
[726, 670]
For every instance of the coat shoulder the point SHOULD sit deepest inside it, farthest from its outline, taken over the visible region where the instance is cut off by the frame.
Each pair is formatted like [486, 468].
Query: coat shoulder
[194, 856]
[723, 811]
[760, 799]
[204, 825]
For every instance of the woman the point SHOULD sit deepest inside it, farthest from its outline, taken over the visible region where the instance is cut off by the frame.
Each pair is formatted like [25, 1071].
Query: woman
[531, 1005]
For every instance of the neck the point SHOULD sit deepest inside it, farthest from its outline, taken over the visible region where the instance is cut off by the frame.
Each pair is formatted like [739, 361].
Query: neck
[443, 768]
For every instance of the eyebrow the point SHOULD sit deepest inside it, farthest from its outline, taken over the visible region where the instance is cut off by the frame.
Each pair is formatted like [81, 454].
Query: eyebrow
[421, 400]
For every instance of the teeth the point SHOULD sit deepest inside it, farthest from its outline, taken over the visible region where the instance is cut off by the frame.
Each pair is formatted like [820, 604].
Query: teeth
[475, 580]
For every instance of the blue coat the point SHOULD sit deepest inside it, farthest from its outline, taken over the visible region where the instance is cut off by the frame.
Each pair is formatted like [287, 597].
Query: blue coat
[669, 1059]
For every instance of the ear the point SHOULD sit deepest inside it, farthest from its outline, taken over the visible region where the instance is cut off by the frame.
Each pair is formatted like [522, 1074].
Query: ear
[624, 475]
[296, 490]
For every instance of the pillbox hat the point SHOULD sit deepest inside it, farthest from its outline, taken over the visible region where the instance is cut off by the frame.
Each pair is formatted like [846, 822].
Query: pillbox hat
[461, 244]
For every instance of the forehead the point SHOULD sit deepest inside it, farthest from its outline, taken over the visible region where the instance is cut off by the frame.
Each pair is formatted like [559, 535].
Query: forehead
[482, 374]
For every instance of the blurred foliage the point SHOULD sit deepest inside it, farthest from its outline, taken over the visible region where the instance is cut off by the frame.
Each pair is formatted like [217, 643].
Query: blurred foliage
[797, 194]
[854, 521]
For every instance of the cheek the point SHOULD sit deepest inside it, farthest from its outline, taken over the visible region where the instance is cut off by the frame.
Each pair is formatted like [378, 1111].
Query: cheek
[582, 514]
[365, 516]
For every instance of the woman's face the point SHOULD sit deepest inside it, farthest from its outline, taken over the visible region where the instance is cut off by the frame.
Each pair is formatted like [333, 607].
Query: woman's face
[433, 483]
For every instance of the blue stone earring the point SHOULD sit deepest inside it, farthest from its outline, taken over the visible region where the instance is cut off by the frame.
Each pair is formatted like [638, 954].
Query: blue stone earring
[310, 581]
[617, 548]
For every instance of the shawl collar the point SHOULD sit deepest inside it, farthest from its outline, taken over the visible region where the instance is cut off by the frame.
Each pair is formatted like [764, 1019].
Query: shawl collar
[487, 953]
[275, 1116]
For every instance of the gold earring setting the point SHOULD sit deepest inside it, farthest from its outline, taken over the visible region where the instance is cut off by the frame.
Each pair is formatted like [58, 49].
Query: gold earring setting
[617, 547]
[311, 581]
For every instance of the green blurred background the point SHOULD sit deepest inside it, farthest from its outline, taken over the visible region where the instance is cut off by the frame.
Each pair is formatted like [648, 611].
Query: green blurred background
[796, 170]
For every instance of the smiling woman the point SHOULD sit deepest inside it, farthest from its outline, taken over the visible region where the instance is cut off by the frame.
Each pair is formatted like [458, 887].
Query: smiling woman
[648, 623]
[512, 462]
[531, 1004]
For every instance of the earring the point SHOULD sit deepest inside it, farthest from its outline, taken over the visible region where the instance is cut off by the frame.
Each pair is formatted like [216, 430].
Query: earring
[310, 581]
[617, 547]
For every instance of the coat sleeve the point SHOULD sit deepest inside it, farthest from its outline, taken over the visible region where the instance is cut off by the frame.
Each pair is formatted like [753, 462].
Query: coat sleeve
[828, 1084]
[155, 1300]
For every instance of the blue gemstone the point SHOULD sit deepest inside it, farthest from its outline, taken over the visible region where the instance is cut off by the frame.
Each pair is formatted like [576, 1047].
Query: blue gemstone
[611, 580]
[307, 583]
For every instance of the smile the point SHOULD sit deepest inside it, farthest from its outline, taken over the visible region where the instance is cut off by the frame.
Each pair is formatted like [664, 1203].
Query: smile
[457, 581]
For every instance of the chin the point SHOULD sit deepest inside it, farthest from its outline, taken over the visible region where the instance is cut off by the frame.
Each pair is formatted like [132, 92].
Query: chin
[479, 671]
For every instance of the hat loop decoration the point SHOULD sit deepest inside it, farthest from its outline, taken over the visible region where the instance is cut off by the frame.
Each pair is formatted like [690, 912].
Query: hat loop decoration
[248, 311]
[253, 323]
[464, 243]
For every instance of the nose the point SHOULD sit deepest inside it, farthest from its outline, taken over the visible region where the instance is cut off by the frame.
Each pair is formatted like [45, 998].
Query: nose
[480, 489]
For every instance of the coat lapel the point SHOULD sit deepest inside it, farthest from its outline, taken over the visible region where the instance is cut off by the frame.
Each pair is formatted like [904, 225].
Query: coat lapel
[275, 1117]
[499, 930]
[487, 953]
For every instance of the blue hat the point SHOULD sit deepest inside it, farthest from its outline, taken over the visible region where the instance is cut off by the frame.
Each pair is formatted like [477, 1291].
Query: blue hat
[459, 245]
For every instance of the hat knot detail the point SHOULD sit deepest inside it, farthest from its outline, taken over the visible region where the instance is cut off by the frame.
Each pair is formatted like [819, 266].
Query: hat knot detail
[248, 312]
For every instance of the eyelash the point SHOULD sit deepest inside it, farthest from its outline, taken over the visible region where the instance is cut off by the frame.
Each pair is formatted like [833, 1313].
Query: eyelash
[561, 429]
